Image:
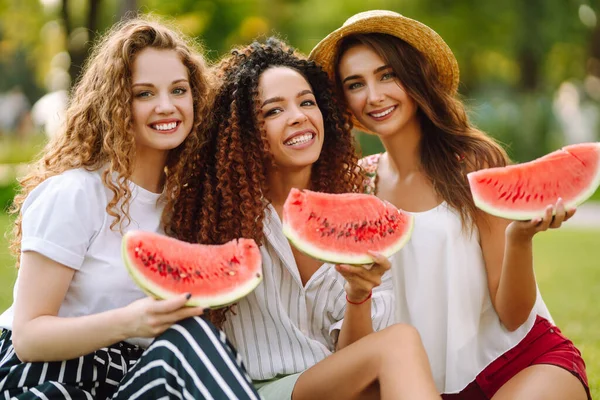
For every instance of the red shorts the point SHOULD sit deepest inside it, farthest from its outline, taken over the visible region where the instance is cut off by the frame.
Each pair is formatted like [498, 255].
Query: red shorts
[544, 344]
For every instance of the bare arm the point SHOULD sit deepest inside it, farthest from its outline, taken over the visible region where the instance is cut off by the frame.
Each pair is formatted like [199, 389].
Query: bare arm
[40, 335]
[508, 255]
[360, 283]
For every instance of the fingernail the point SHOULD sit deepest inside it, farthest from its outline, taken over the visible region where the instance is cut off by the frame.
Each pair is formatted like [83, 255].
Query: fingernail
[188, 296]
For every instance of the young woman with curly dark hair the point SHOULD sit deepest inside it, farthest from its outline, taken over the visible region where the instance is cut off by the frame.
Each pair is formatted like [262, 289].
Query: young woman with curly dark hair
[305, 332]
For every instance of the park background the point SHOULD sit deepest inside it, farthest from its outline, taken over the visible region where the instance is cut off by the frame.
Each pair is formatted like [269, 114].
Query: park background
[530, 75]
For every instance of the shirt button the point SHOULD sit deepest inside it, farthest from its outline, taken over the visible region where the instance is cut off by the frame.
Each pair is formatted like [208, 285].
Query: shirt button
[551, 330]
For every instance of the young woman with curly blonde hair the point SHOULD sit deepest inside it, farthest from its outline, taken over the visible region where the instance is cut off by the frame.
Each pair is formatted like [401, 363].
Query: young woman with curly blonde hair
[307, 331]
[79, 326]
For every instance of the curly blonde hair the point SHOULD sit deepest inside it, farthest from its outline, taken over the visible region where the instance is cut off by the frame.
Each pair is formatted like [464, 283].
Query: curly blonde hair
[97, 131]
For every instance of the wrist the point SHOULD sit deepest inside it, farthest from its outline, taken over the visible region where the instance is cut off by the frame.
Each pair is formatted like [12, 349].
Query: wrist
[517, 237]
[356, 300]
[122, 324]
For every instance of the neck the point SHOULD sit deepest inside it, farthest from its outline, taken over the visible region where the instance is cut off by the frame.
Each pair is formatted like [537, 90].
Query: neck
[281, 181]
[403, 149]
[149, 170]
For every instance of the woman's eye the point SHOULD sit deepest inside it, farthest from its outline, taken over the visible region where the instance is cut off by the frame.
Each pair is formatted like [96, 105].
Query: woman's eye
[354, 85]
[143, 94]
[179, 91]
[307, 103]
[388, 75]
[272, 111]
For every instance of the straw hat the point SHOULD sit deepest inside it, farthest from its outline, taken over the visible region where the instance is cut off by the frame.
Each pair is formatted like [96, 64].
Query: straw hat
[413, 32]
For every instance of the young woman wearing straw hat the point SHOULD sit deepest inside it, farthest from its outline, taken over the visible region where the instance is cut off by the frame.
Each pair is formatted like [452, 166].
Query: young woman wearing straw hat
[306, 332]
[466, 279]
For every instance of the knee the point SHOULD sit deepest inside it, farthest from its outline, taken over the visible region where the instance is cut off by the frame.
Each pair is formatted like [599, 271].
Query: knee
[402, 337]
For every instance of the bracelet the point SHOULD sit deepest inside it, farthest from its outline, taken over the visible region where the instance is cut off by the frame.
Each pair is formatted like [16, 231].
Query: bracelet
[357, 304]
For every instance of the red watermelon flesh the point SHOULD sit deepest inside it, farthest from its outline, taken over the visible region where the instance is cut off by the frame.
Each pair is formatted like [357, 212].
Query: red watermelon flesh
[215, 275]
[523, 191]
[341, 228]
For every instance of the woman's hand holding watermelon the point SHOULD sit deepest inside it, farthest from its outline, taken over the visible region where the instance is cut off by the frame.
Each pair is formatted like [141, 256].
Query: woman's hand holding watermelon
[149, 317]
[553, 218]
[360, 280]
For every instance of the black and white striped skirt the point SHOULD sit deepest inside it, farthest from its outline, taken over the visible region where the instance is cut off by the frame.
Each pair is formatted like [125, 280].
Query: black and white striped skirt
[191, 360]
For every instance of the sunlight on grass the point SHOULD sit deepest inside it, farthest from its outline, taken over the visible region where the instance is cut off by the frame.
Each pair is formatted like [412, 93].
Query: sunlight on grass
[7, 266]
[15, 151]
[567, 265]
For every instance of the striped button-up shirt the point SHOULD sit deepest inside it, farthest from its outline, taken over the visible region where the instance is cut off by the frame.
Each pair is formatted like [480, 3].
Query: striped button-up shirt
[284, 327]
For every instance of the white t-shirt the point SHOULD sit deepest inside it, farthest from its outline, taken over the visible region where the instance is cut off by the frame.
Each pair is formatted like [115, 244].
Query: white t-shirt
[65, 219]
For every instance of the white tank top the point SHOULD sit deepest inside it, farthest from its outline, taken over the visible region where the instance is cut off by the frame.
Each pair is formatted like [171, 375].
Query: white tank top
[441, 289]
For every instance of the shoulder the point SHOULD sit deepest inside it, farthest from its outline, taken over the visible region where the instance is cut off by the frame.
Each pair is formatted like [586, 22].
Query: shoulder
[369, 163]
[369, 166]
[70, 185]
[79, 178]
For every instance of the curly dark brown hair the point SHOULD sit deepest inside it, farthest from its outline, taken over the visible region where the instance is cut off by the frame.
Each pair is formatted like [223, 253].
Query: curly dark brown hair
[225, 188]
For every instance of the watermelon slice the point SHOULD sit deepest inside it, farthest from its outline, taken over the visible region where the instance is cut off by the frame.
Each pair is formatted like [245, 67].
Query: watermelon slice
[523, 191]
[215, 275]
[340, 228]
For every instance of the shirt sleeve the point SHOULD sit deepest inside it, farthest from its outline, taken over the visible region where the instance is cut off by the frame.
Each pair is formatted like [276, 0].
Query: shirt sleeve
[382, 306]
[61, 217]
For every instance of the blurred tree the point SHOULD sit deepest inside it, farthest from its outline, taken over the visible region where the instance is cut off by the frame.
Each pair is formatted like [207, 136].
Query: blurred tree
[79, 37]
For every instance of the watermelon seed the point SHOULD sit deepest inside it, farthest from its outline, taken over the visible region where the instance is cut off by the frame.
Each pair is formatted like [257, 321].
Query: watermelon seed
[183, 275]
[231, 273]
[390, 230]
[257, 275]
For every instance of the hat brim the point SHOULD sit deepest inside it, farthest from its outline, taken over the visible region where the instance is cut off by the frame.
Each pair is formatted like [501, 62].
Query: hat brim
[413, 32]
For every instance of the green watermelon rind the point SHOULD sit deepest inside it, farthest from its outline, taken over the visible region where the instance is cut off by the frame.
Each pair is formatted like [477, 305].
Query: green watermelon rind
[528, 215]
[214, 301]
[341, 258]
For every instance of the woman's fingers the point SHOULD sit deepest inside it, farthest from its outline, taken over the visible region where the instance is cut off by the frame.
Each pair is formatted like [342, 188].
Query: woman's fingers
[169, 305]
[380, 260]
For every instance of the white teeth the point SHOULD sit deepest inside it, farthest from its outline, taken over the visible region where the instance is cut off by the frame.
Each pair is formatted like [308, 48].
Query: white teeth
[165, 127]
[383, 114]
[299, 139]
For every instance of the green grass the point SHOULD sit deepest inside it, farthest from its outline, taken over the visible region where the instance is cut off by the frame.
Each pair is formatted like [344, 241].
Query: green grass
[596, 196]
[7, 266]
[568, 272]
[16, 151]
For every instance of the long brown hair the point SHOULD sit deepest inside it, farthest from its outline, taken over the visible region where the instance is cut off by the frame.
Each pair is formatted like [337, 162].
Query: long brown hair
[97, 132]
[225, 189]
[450, 146]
